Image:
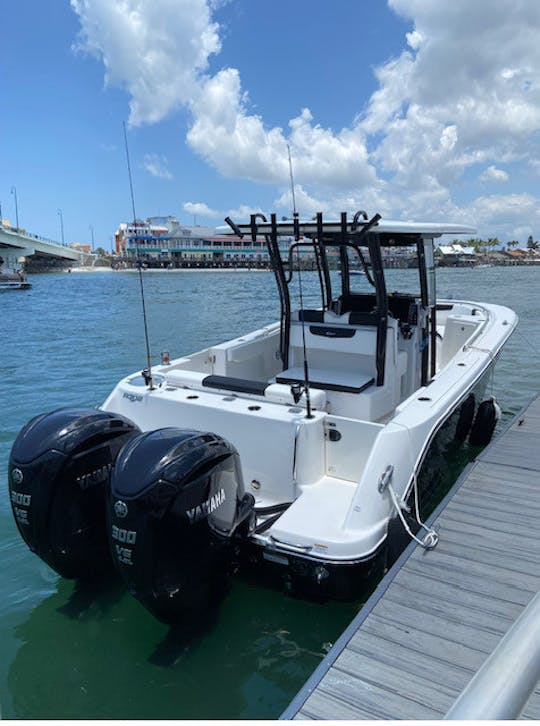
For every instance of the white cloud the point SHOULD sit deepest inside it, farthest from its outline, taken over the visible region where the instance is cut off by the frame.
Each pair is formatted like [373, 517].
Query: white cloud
[331, 204]
[469, 95]
[157, 166]
[238, 143]
[200, 209]
[464, 92]
[492, 174]
[414, 39]
[149, 48]
[157, 50]
[243, 212]
[506, 215]
[506, 207]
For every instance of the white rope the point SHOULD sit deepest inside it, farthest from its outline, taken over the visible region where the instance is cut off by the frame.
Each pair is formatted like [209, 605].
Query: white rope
[431, 538]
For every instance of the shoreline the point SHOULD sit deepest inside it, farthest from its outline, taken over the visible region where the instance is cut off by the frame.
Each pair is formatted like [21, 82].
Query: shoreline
[179, 269]
[88, 269]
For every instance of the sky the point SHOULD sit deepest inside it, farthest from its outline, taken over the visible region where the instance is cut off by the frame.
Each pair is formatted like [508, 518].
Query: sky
[425, 110]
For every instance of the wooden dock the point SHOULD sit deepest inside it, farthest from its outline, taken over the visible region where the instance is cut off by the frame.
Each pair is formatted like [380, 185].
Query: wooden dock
[437, 614]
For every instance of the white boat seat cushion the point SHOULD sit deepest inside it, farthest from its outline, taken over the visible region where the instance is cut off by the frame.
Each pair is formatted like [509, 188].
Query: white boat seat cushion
[273, 392]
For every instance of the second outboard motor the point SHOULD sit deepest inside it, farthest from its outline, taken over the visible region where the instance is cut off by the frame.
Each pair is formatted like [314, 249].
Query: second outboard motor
[59, 468]
[177, 513]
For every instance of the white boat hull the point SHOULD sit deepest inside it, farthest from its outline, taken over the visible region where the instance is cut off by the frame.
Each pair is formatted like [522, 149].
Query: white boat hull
[325, 468]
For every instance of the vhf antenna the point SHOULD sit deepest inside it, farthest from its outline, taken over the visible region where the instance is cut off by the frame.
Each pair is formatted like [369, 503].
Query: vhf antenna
[292, 181]
[147, 372]
[304, 350]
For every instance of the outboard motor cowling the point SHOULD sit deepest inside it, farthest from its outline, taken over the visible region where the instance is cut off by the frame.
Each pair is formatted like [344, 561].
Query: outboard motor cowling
[59, 467]
[177, 512]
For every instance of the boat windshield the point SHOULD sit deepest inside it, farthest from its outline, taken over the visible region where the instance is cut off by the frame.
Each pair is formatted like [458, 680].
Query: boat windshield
[361, 280]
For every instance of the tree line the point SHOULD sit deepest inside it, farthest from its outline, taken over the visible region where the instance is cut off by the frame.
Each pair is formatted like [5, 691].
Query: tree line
[482, 246]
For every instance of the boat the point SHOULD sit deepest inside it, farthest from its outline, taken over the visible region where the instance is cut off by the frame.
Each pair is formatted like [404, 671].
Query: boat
[13, 279]
[294, 449]
[7, 283]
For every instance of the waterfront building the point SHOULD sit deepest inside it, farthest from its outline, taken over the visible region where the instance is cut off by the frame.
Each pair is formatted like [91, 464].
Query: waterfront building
[165, 240]
[81, 247]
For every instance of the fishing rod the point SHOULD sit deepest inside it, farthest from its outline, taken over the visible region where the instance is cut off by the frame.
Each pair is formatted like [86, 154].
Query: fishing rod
[304, 349]
[147, 372]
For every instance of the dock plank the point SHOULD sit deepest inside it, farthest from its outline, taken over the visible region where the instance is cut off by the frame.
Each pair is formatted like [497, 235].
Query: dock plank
[508, 524]
[484, 555]
[519, 449]
[364, 668]
[326, 705]
[423, 665]
[478, 535]
[488, 477]
[463, 613]
[532, 709]
[438, 614]
[473, 581]
[526, 581]
[498, 506]
[371, 698]
[454, 629]
[455, 593]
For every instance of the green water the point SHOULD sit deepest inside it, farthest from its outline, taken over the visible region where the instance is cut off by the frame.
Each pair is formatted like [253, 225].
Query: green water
[70, 652]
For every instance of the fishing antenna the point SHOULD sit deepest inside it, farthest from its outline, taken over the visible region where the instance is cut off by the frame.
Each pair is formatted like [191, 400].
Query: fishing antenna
[292, 181]
[304, 350]
[147, 372]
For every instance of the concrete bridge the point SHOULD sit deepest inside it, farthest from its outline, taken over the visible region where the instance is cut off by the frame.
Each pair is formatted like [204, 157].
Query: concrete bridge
[16, 243]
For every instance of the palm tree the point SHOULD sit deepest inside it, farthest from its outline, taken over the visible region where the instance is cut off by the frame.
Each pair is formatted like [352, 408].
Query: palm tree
[492, 242]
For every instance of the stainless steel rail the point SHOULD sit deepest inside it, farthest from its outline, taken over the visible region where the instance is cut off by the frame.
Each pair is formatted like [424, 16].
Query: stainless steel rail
[505, 682]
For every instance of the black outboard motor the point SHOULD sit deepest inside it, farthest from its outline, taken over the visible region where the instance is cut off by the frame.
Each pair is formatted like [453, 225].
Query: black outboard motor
[59, 468]
[177, 514]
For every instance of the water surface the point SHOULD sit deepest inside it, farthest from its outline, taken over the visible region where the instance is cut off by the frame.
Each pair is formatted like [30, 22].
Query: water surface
[71, 652]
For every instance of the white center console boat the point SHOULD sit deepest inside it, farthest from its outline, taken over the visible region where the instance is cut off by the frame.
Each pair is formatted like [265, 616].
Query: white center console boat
[295, 445]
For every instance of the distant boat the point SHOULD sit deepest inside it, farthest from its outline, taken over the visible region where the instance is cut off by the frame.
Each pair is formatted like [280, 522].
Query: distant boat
[13, 279]
[13, 285]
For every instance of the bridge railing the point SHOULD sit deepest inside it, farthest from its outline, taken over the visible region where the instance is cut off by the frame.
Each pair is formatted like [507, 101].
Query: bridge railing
[23, 233]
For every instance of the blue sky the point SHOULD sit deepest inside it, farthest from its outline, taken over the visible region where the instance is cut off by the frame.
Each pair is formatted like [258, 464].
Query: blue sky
[412, 108]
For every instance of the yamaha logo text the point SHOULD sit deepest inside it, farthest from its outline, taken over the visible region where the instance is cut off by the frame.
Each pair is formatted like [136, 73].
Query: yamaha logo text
[94, 477]
[203, 510]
